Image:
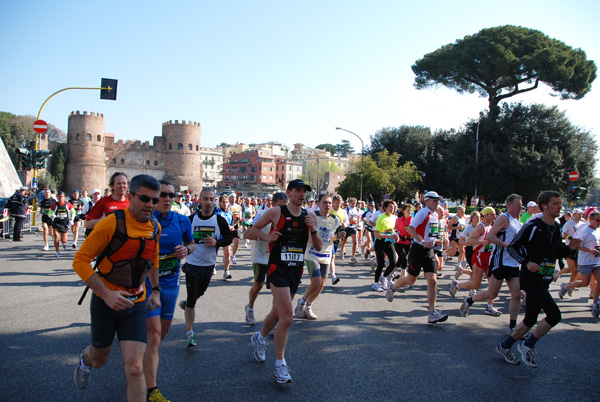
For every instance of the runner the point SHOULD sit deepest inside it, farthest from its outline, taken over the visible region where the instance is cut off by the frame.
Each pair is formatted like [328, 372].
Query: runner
[367, 246]
[77, 204]
[503, 267]
[338, 211]
[96, 195]
[46, 212]
[179, 205]
[461, 268]
[353, 214]
[385, 238]
[117, 304]
[259, 256]
[292, 226]
[424, 230]
[176, 242]
[568, 231]
[317, 261]
[455, 226]
[62, 218]
[236, 212]
[224, 211]
[536, 247]
[402, 245]
[248, 214]
[210, 231]
[116, 200]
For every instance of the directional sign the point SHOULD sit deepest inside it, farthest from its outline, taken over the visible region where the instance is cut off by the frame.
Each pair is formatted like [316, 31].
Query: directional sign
[40, 126]
[573, 176]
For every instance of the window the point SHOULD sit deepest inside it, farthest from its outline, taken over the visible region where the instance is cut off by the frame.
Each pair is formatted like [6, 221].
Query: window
[88, 137]
[147, 163]
[155, 163]
[190, 147]
[170, 146]
[243, 169]
[244, 160]
[252, 169]
[271, 168]
[122, 161]
[180, 146]
[244, 177]
[99, 137]
[197, 149]
[114, 160]
[235, 160]
[290, 169]
[77, 136]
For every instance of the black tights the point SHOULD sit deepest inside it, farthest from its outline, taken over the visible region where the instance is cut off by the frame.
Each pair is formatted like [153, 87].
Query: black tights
[387, 248]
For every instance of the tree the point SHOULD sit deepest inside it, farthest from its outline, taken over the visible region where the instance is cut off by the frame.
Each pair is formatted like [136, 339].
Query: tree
[344, 148]
[57, 167]
[314, 174]
[327, 147]
[505, 61]
[382, 175]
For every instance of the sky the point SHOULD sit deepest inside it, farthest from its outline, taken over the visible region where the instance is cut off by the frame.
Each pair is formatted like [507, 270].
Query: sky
[258, 71]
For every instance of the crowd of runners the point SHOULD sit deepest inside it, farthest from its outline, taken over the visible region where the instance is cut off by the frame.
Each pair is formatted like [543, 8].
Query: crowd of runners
[132, 261]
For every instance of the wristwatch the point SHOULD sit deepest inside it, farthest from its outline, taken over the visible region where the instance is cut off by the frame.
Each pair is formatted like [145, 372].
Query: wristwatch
[157, 288]
[188, 250]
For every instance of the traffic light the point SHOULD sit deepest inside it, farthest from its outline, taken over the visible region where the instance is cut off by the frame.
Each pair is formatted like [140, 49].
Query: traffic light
[581, 193]
[40, 158]
[572, 195]
[26, 158]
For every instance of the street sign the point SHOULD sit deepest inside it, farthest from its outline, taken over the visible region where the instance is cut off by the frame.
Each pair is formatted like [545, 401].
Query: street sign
[40, 126]
[573, 176]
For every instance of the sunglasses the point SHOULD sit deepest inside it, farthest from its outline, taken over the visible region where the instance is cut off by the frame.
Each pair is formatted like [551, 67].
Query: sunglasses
[165, 195]
[145, 198]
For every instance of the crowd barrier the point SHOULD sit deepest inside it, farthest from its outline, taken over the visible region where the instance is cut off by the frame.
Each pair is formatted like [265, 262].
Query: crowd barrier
[8, 223]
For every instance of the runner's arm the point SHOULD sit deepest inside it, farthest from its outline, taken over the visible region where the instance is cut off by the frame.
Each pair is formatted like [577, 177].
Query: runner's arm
[499, 225]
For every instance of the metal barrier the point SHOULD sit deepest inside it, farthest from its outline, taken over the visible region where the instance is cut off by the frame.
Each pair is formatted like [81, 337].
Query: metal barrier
[5, 224]
[8, 223]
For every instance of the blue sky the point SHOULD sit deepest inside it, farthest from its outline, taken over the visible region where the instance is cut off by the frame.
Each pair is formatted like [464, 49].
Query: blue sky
[255, 71]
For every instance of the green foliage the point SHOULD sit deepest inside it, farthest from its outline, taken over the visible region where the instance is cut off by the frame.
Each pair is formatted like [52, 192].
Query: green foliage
[344, 148]
[314, 174]
[505, 61]
[327, 147]
[57, 166]
[47, 179]
[382, 175]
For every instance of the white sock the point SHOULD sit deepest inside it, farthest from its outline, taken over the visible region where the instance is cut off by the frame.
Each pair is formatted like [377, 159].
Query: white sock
[189, 332]
[261, 338]
[302, 300]
[279, 363]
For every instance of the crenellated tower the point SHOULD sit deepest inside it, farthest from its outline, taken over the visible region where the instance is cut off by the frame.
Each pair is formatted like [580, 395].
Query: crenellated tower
[182, 154]
[86, 165]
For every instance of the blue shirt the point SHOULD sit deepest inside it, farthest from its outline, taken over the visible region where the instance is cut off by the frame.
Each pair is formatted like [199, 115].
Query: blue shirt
[227, 215]
[176, 229]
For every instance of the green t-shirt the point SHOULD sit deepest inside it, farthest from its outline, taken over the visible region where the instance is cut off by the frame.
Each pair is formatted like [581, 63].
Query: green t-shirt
[386, 225]
[525, 217]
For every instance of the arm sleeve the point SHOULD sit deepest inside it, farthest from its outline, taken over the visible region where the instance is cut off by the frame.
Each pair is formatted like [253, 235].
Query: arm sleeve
[225, 232]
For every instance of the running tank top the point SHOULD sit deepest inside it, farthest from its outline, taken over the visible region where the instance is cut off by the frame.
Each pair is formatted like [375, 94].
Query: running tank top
[500, 255]
[288, 250]
[481, 247]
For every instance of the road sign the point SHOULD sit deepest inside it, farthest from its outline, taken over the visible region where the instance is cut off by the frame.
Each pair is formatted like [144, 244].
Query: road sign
[40, 126]
[573, 176]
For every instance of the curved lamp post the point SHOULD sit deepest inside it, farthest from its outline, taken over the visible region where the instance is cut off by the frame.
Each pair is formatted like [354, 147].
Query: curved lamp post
[362, 160]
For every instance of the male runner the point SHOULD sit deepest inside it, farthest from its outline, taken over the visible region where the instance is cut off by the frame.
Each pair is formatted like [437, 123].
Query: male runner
[210, 231]
[353, 214]
[292, 226]
[424, 231]
[46, 212]
[248, 214]
[77, 204]
[338, 211]
[176, 242]
[117, 305]
[536, 247]
[236, 211]
[116, 200]
[259, 256]
[94, 198]
[62, 217]
[224, 211]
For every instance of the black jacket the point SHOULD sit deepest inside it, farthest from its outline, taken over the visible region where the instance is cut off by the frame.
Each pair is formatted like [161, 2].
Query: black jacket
[17, 205]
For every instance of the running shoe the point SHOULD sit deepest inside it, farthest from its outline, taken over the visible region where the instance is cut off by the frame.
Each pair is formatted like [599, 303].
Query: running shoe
[464, 307]
[508, 355]
[384, 282]
[259, 348]
[458, 273]
[596, 310]
[439, 273]
[249, 315]
[377, 287]
[157, 396]
[490, 310]
[233, 260]
[555, 276]
[367, 254]
[182, 305]
[226, 275]
[435, 317]
[527, 354]
[245, 245]
[74, 245]
[214, 271]
[570, 291]
[353, 260]
[46, 248]
[472, 292]
[406, 287]
[299, 310]
[190, 340]
[389, 295]
[57, 254]
[308, 313]
[282, 374]
[453, 288]
[64, 246]
[81, 376]
[335, 280]
[373, 264]
[463, 264]
[563, 290]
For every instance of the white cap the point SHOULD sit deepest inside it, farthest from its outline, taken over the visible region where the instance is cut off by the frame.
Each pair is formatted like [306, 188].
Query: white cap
[531, 204]
[94, 191]
[577, 211]
[432, 195]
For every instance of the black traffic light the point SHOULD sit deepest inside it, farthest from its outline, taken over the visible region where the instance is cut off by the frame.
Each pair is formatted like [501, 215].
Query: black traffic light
[26, 158]
[581, 193]
[108, 89]
[40, 158]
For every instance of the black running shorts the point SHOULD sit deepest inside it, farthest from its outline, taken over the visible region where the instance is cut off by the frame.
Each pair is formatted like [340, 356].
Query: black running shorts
[419, 258]
[284, 277]
[128, 324]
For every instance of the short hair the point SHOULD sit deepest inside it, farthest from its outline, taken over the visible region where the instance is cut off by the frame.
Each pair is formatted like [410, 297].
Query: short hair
[143, 180]
[387, 203]
[337, 197]
[405, 207]
[593, 215]
[324, 195]
[511, 198]
[165, 182]
[111, 182]
[280, 196]
[462, 207]
[206, 189]
[546, 196]
[223, 197]
[351, 199]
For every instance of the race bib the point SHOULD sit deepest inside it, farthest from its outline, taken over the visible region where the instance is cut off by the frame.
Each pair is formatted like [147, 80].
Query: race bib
[547, 268]
[488, 248]
[434, 230]
[202, 232]
[167, 265]
[293, 255]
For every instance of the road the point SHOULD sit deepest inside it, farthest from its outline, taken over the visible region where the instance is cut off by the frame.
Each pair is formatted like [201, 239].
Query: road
[361, 347]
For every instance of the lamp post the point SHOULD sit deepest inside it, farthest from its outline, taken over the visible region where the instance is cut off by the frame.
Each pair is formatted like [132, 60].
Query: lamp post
[362, 158]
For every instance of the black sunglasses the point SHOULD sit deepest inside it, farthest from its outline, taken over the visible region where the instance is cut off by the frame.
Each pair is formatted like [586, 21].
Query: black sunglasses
[165, 195]
[145, 198]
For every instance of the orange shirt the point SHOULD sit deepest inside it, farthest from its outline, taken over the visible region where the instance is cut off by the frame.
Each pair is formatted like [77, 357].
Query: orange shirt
[99, 239]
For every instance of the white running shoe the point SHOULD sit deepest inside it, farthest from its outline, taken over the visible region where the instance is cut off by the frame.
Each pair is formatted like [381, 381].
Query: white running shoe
[527, 355]
[249, 315]
[282, 374]
[259, 348]
[453, 287]
[435, 317]
[299, 310]
[563, 290]
[46, 248]
[233, 260]
[308, 313]
[508, 355]
[57, 254]
[226, 275]
[377, 287]
[472, 293]
[490, 310]
[464, 307]
[384, 282]
[389, 295]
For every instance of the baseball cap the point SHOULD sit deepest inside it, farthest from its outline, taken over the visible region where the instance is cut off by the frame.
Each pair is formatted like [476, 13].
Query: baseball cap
[178, 194]
[577, 211]
[76, 191]
[531, 204]
[94, 191]
[24, 188]
[432, 195]
[60, 192]
[298, 184]
[372, 203]
[311, 199]
[268, 197]
[487, 210]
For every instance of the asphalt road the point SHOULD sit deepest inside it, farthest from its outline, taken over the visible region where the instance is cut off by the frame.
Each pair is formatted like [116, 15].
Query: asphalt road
[361, 347]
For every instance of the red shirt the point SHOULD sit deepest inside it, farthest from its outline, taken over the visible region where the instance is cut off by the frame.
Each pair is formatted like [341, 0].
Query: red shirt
[105, 206]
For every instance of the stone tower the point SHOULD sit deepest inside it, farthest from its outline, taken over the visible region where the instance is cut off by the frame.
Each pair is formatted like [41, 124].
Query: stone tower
[182, 155]
[86, 166]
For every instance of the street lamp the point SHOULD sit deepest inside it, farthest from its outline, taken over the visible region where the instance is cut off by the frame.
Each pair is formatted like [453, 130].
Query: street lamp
[362, 158]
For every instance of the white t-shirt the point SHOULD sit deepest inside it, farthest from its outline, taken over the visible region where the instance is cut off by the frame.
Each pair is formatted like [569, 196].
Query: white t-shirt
[591, 239]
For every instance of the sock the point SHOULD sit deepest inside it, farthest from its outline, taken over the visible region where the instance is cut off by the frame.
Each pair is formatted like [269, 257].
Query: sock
[308, 304]
[261, 338]
[279, 363]
[512, 324]
[490, 306]
[508, 342]
[189, 332]
[150, 390]
[250, 308]
[470, 300]
[302, 300]
[82, 364]
[530, 342]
